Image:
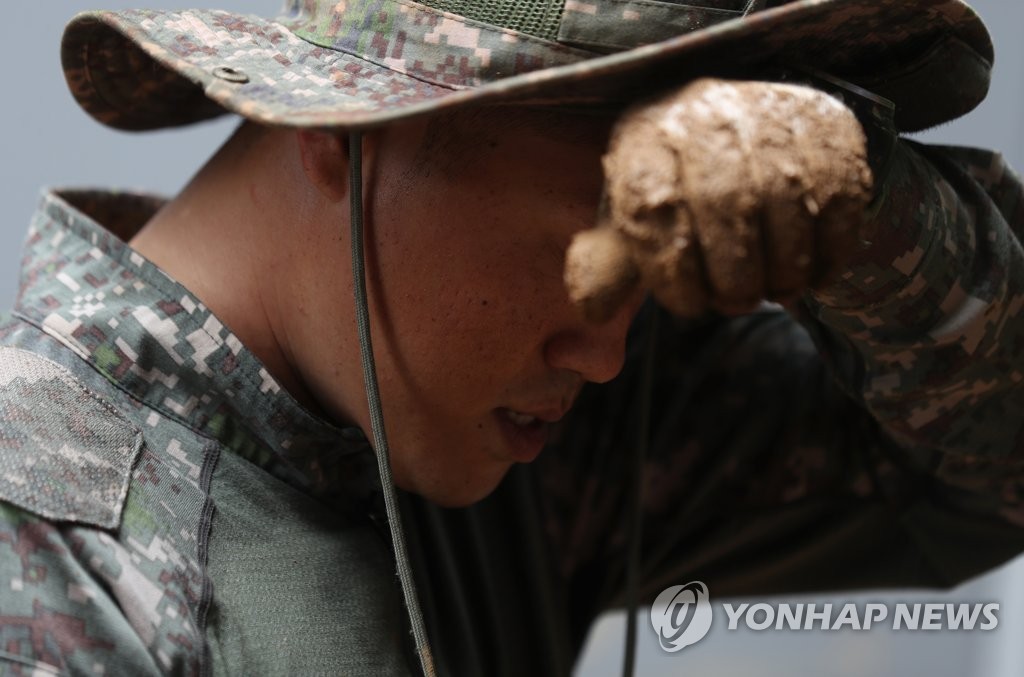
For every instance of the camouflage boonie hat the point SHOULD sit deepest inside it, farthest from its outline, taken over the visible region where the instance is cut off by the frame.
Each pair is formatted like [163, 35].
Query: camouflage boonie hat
[360, 63]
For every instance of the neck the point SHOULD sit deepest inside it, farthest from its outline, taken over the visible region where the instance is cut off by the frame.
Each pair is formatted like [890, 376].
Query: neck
[213, 238]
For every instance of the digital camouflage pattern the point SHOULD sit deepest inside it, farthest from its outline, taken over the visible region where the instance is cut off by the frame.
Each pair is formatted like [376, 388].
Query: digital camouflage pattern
[885, 453]
[364, 62]
[616, 25]
[244, 536]
[768, 472]
[167, 508]
[88, 448]
[965, 312]
[973, 362]
[118, 393]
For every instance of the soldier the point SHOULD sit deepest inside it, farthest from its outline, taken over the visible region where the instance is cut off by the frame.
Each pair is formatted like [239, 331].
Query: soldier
[195, 393]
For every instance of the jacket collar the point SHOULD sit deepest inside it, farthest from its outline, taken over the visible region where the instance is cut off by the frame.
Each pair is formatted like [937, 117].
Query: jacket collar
[82, 284]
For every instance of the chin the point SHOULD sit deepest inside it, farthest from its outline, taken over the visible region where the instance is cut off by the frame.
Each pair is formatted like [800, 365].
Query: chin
[457, 492]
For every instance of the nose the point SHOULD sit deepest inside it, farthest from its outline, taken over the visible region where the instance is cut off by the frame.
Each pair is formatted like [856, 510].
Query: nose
[596, 351]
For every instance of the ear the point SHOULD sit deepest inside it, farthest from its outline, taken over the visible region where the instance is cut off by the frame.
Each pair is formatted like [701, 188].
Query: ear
[325, 161]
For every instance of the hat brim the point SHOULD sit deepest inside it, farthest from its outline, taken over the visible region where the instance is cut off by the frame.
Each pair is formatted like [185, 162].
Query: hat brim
[933, 58]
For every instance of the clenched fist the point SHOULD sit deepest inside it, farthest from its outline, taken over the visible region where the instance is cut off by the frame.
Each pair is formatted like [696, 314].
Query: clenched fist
[722, 194]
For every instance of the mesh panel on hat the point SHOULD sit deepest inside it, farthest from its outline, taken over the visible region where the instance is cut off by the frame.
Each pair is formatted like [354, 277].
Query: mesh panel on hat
[541, 18]
[533, 17]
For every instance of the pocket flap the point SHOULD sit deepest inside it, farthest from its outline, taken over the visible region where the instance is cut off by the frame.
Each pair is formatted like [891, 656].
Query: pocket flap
[65, 454]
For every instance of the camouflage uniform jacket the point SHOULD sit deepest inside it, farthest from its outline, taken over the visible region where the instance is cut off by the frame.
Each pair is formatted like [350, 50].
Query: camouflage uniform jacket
[167, 508]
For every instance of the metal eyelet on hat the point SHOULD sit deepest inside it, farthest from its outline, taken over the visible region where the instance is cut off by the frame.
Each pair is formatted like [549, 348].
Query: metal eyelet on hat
[230, 75]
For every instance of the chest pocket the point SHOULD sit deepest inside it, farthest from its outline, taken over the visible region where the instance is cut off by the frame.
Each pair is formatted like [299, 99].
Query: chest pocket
[65, 454]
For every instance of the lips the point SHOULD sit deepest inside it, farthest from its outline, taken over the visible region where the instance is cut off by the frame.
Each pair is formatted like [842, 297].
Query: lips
[519, 419]
[526, 432]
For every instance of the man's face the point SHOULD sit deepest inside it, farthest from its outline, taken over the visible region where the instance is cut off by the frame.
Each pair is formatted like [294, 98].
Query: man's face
[477, 347]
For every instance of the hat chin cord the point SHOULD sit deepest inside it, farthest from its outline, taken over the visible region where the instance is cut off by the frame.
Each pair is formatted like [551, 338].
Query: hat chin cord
[380, 442]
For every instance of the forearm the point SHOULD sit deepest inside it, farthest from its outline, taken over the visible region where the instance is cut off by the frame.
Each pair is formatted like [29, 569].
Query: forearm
[925, 328]
[764, 478]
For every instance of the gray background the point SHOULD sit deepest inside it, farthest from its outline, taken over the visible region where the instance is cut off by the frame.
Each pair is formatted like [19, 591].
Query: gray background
[46, 141]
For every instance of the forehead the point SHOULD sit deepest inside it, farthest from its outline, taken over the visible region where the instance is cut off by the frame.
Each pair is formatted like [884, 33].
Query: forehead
[576, 126]
[456, 139]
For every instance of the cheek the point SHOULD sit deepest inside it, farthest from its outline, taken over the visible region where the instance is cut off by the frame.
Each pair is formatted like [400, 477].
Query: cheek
[473, 313]
[460, 335]
[473, 283]
[447, 270]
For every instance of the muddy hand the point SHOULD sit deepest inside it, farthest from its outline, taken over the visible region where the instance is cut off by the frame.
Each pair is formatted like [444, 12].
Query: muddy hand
[722, 194]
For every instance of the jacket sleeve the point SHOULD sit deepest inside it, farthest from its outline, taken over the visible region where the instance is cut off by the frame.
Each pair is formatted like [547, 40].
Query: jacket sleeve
[57, 616]
[876, 442]
[73, 596]
[924, 330]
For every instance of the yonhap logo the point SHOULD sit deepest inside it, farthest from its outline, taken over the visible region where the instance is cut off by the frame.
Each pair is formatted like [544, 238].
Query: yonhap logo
[681, 615]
